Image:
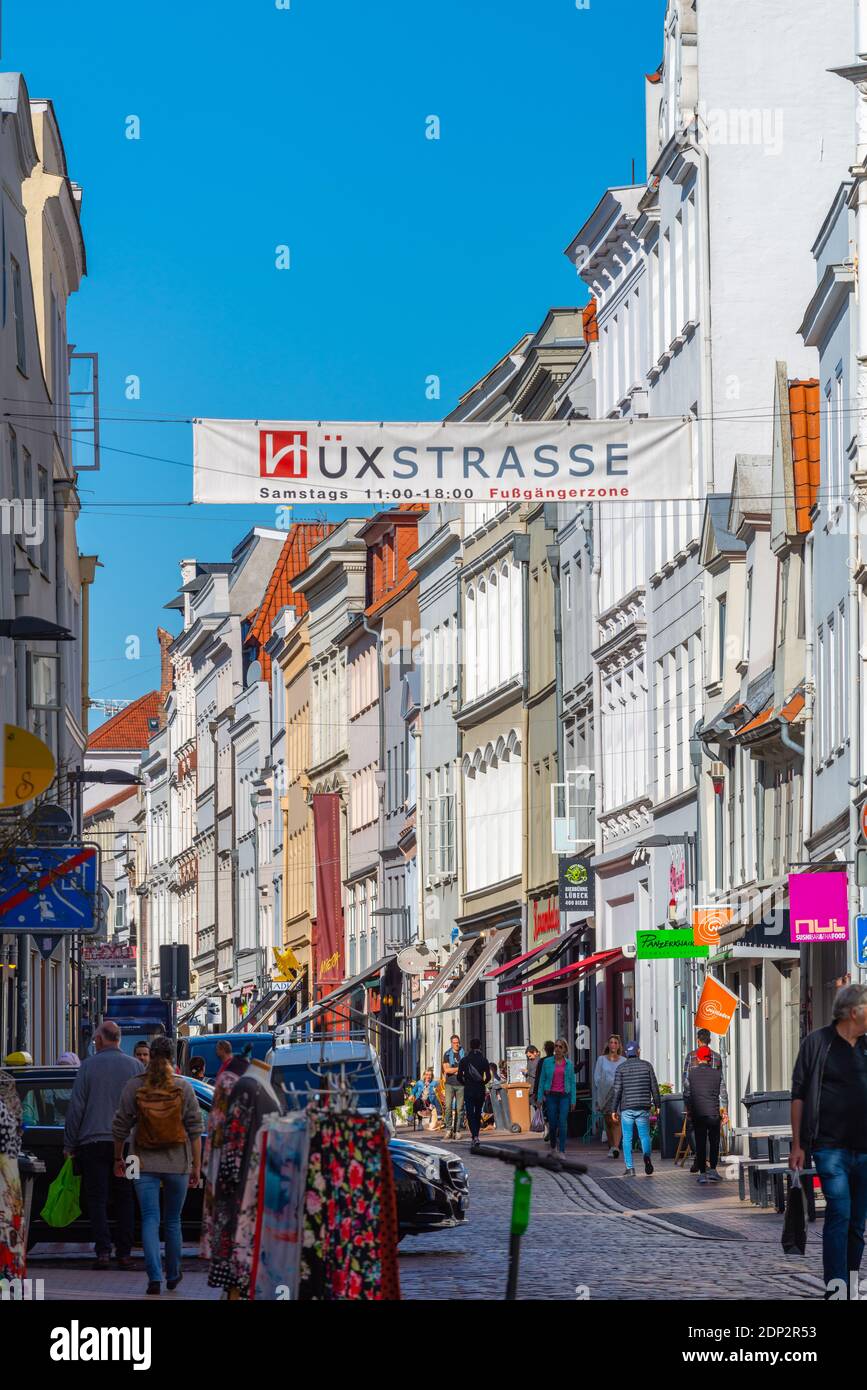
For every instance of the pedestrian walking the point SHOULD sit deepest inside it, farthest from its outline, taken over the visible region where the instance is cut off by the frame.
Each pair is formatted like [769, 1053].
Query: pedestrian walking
[87, 1138]
[829, 1118]
[557, 1089]
[636, 1092]
[224, 1055]
[535, 1092]
[703, 1039]
[159, 1114]
[142, 1052]
[454, 1093]
[197, 1068]
[533, 1059]
[703, 1105]
[604, 1073]
[474, 1074]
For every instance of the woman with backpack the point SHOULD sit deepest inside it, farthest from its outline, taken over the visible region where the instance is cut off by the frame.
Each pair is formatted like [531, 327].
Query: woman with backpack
[160, 1115]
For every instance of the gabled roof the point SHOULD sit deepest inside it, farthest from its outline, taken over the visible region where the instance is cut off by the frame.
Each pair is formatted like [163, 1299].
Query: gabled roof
[109, 803]
[293, 558]
[129, 727]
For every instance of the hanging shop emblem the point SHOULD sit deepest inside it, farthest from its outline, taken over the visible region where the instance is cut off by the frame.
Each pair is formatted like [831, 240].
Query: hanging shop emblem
[819, 906]
[316, 461]
[661, 944]
[708, 921]
[577, 885]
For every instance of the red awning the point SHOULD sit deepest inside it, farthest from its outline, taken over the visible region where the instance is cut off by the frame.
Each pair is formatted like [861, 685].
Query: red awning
[569, 973]
[554, 943]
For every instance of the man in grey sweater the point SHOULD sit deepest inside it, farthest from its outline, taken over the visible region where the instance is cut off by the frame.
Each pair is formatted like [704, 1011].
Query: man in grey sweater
[88, 1138]
[635, 1092]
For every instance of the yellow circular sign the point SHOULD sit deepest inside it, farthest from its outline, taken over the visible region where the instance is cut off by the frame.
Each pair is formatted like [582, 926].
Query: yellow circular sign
[28, 766]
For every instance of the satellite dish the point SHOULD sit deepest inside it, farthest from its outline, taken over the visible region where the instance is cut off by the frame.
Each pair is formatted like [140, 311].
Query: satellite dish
[254, 673]
[414, 960]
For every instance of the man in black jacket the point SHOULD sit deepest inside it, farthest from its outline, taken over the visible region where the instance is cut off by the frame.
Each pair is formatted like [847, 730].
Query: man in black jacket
[829, 1116]
[635, 1093]
[474, 1073]
[703, 1101]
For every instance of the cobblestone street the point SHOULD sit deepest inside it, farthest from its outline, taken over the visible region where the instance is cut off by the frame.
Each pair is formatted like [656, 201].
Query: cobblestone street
[656, 1238]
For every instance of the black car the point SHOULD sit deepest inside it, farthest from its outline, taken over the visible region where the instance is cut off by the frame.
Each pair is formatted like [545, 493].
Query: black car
[431, 1184]
[44, 1093]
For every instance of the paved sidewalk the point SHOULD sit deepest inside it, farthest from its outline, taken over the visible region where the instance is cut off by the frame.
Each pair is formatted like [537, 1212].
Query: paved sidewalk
[599, 1236]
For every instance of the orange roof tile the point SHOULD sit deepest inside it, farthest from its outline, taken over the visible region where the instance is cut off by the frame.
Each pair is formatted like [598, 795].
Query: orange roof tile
[109, 803]
[293, 558]
[391, 594]
[793, 707]
[129, 727]
[588, 319]
[804, 417]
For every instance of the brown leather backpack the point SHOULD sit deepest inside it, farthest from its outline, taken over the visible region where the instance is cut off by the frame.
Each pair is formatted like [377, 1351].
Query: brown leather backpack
[160, 1117]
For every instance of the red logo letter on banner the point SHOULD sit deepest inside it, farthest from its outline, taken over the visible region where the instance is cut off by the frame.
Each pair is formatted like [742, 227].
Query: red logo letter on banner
[283, 453]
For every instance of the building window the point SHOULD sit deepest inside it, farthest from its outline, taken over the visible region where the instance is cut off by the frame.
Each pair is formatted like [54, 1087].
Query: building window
[18, 312]
[492, 812]
[784, 600]
[721, 610]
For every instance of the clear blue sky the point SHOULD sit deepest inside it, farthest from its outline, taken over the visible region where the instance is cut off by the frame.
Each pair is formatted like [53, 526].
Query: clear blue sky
[262, 126]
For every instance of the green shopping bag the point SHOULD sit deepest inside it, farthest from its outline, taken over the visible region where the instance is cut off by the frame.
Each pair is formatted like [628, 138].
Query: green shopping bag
[62, 1204]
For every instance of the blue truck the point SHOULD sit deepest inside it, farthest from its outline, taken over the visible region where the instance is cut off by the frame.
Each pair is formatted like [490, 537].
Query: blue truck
[139, 1017]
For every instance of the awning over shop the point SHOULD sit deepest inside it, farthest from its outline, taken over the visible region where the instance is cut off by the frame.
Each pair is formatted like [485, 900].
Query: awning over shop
[739, 952]
[555, 946]
[341, 991]
[559, 979]
[763, 904]
[265, 1008]
[436, 985]
[189, 1009]
[491, 948]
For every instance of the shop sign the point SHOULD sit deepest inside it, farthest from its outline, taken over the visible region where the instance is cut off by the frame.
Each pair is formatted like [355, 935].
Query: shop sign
[577, 885]
[509, 1003]
[716, 1006]
[707, 922]
[819, 906]
[662, 944]
[545, 921]
[108, 952]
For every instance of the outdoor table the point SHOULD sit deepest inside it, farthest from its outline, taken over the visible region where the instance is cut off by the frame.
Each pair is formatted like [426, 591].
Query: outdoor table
[773, 1133]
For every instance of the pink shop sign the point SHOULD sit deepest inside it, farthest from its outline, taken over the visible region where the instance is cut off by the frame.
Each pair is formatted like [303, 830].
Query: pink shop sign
[819, 907]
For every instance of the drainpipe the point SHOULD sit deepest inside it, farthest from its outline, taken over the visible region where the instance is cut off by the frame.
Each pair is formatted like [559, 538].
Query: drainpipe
[691, 141]
[592, 514]
[381, 758]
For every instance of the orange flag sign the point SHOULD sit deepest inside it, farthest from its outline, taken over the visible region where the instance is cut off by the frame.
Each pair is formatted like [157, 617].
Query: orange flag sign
[716, 1007]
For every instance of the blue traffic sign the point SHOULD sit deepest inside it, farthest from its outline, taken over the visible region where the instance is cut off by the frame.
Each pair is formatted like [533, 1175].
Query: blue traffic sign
[861, 938]
[49, 890]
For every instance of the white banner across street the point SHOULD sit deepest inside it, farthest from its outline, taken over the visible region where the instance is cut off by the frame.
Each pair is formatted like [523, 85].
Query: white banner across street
[275, 461]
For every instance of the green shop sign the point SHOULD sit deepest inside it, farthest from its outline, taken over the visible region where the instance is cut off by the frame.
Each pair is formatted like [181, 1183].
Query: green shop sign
[665, 944]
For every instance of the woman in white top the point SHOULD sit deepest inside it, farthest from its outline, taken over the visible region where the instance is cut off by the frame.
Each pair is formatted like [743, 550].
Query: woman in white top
[603, 1083]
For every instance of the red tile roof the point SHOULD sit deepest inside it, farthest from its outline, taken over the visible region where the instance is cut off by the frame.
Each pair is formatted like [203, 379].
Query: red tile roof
[109, 803]
[789, 711]
[293, 558]
[588, 319]
[793, 707]
[129, 727]
[804, 417]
